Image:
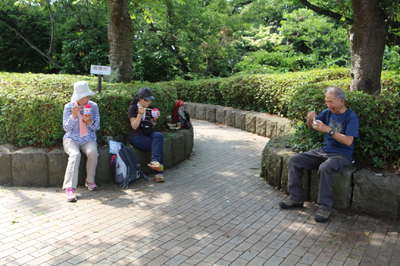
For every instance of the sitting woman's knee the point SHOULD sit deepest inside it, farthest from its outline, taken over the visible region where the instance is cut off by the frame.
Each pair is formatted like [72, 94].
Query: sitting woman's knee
[92, 153]
[158, 135]
[74, 155]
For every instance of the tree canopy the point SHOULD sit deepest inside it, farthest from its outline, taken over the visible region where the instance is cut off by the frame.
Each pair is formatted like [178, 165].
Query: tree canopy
[187, 39]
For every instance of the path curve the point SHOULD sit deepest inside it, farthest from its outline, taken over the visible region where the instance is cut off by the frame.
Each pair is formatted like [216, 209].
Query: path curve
[213, 210]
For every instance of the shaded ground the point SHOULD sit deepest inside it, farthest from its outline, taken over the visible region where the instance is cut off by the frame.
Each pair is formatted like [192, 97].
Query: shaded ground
[213, 210]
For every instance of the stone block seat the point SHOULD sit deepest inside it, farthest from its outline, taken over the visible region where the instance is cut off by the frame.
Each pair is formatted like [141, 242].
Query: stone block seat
[262, 124]
[274, 167]
[40, 167]
[361, 190]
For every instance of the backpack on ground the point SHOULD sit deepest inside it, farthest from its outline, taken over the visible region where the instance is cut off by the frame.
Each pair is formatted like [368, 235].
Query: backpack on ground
[124, 166]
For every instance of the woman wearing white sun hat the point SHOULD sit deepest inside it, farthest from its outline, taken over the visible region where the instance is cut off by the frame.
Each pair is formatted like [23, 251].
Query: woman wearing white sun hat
[81, 120]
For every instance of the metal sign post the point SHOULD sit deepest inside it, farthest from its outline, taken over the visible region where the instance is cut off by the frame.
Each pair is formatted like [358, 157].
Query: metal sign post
[100, 77]
[100, 71]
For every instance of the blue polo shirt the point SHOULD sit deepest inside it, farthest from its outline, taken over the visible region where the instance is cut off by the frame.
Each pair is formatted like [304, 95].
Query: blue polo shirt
[347, 124]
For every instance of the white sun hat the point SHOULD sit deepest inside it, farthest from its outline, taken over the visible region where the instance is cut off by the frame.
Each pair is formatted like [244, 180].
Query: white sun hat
[81, 89]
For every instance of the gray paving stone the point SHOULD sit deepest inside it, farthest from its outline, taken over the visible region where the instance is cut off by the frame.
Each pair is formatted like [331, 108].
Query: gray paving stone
[200, 111]
[213, 209]
[29, 167]
[168, 156]
[5, 164]
[240, 119]
[190, 108]
[261, 124]
[342, 187]
[58, 161]
[377, 193]
[103, 170]
[189, 141]
[230, 117]
[211, 111]
[178, 147]
[271, 128]
[251, 120]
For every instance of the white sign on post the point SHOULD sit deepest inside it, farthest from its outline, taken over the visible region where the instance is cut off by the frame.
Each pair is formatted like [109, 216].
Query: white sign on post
[100, 70]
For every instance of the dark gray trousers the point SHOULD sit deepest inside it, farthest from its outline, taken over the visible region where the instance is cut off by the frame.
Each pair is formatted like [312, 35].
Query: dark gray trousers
[327, 163]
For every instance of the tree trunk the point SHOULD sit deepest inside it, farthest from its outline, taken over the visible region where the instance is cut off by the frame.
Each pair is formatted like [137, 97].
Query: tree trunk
[120, 40]
[368, 38]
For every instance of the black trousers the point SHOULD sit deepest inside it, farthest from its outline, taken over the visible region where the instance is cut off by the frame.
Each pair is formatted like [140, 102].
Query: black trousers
[326, 163]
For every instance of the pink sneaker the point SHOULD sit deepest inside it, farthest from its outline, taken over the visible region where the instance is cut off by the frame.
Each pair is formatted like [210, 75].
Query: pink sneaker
[90, 186]
[71, 196]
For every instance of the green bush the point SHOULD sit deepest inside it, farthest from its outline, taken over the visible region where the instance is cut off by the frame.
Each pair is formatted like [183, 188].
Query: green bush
[268, 93]
[31, 107]
[391, 58]
[273, 62]
[294, 94]
[379, 124]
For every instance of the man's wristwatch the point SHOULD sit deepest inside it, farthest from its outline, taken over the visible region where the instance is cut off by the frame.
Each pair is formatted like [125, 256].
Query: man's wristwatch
[331, 132]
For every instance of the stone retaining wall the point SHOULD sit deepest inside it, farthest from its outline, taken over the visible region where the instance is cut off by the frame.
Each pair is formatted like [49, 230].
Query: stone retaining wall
[40, 167]
[258, 123]
[358, 189]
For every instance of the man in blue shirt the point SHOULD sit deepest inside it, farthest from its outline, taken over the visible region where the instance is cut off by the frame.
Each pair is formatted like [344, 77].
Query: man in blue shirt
[339, 125]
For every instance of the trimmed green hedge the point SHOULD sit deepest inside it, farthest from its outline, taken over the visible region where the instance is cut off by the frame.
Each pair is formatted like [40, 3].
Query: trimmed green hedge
[378, 145]
[294, 94]
[31, 107]
[266, 93]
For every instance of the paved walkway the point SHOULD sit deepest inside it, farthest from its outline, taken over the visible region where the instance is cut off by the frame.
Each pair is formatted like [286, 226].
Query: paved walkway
[214, 210]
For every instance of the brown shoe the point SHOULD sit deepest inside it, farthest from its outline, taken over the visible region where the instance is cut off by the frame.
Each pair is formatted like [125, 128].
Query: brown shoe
[159, 178]
[156, 166]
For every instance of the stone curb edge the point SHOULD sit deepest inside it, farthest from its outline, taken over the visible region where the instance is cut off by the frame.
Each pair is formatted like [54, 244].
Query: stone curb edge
[262, 124]
[361, 190]
[41, 168]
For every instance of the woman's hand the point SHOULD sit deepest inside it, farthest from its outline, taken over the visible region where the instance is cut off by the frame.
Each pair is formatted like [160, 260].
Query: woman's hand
[75, 111]
[88, 119]
[141, 110]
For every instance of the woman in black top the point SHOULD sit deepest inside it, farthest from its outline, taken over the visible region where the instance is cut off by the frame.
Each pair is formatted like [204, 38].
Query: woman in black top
[142, 119]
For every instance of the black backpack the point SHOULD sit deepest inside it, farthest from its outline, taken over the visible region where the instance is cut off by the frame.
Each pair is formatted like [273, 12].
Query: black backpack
[125, 168]
[184, 118]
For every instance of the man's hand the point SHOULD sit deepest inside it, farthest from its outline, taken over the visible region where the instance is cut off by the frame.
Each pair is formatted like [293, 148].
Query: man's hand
[75, 111]
[310, 118]
[321, 127]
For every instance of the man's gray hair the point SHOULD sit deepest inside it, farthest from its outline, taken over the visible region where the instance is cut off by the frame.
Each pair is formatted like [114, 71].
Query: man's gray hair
[338, 92]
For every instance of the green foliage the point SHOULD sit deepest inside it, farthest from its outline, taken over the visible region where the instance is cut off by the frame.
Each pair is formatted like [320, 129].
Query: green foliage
[186, 39]
[379, 124]
[15, 54]
[260, 62]
[310, 33]
[391, 58]
[77, 55]
[72, 33]
[261, 12]
[303, 40]
[294, 94]
[31, 107]
[269, 93]
[81, 34]
[189, 39]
